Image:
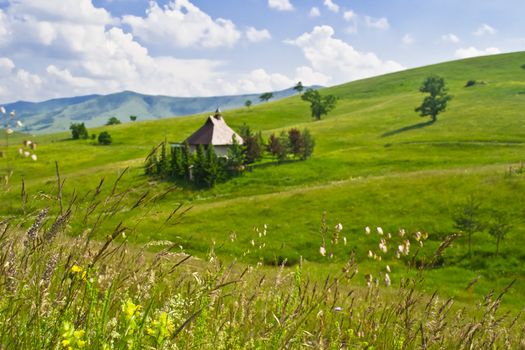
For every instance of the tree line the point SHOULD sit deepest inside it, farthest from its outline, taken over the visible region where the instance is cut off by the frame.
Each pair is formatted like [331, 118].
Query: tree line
[203, 168]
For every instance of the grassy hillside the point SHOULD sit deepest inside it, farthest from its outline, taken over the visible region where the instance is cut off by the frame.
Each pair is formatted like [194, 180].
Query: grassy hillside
[376, 163]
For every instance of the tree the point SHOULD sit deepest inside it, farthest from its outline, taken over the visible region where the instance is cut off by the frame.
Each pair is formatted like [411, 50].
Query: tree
[266, 96]
[252, 144]
[319, 105]
[163, 164]
[274, 146]
[236, 156]
[468, 220]
[212, 168]
[187, 161]
[438, 99]
[296, 142]
[499, 226]
[283, 140]
[199, 166]
[78, 131]
[133, 118]
[309, 144]
[104, 138]
[299, 87]
[113, 121]
[177, 165]
[248, 103]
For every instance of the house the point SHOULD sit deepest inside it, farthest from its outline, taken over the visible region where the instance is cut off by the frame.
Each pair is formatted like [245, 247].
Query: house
[214, 132]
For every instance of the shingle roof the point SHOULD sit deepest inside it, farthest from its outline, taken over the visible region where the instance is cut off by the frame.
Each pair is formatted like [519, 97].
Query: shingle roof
[215, 131]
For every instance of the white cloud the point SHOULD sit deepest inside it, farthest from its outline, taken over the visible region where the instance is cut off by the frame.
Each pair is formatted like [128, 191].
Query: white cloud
[280, 5]
[182, 24]
[474, 52]
[330, 5]
[314, 12]
[349, 15]
[6, 66]
[259, 80]
[337, 59]
[450, 38]
[309, 77]
[484, 29]
[407, 39]
[255, 35]
[377, 23]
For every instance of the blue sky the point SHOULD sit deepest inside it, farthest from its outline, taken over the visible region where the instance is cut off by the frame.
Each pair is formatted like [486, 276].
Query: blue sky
[57, 48]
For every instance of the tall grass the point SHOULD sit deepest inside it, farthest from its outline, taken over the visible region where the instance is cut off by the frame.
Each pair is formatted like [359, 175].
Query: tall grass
[61, 289]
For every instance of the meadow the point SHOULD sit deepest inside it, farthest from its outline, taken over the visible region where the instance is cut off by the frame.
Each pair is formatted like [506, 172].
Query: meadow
[376, 164]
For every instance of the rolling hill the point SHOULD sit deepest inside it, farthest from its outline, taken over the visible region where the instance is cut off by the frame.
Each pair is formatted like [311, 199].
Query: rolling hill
[94, 110]
[376, 163]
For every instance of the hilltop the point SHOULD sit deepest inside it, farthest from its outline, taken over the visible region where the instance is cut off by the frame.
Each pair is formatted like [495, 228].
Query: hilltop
[377, 163]
[94, 110]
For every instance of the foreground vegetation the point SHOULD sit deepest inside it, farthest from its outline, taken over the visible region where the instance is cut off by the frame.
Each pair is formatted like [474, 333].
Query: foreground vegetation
[73, 293]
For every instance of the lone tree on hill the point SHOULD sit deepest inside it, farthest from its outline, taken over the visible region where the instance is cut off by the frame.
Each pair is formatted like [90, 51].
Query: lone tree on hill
[299, 87]
[266, 96]
[104, 138]
[78, 131]
[113, 121]
[319, 105]
[248, 103]
[133, 118]
[437, 101]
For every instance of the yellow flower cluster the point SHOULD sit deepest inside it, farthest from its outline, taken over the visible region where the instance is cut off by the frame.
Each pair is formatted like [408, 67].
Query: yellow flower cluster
[162, 327]
[79, 272]
[72, 339]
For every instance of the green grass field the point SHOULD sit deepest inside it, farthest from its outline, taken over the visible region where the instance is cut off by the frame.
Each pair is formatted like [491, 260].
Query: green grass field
[376, 163]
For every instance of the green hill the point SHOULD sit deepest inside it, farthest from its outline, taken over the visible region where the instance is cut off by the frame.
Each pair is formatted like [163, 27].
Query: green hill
[376, 163]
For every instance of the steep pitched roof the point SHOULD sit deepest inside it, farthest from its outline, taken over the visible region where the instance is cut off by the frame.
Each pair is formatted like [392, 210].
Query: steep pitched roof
[215, 131]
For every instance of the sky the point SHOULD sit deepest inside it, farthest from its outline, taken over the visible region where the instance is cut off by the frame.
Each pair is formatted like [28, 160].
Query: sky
[61, 48]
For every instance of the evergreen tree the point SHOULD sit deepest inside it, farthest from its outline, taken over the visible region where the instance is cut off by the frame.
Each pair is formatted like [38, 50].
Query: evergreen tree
[178, 171]
[235, 157]
[163, 165]
[199, 167]
[285, 147]
[309, 144]
[212, 171]
[186, 161]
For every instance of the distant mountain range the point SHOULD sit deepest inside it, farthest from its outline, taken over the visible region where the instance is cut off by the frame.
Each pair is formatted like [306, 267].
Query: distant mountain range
[94, 110]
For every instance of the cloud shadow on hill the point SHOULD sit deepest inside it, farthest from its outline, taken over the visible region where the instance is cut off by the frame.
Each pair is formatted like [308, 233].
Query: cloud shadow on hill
[408, 128]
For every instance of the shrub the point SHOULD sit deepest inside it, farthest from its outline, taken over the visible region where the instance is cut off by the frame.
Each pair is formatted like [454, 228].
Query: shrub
[104, 138]
[78, 131]
[470, 83]
[113, 121]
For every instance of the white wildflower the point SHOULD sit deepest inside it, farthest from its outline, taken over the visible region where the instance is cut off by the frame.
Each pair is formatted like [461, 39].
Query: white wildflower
[402, 232]
[388, 268]
[382, 246]
[253, 243]
[9, 131]
[339, 227]
[20, 151]
[12, 114]
[370, 254]
[389, 235]
[322, 250]
[367, 230]
[380, 230]
[34, 157]
[388, 282]
[338, 308]
[418, 236]
[27, 154]
[19, 123]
